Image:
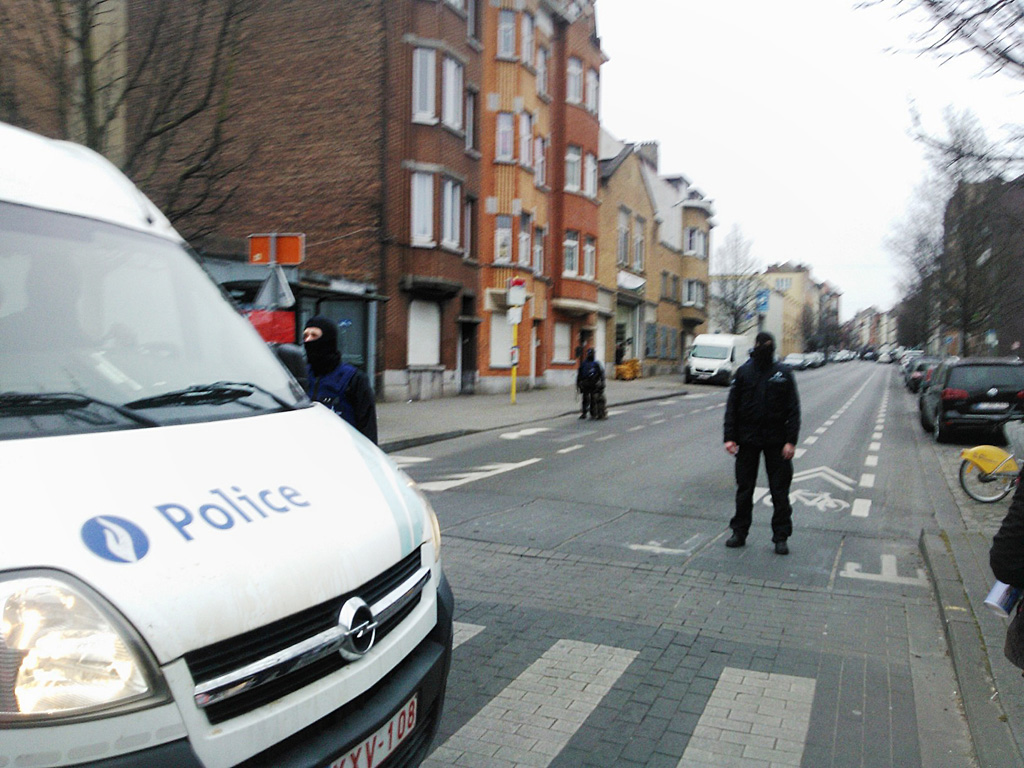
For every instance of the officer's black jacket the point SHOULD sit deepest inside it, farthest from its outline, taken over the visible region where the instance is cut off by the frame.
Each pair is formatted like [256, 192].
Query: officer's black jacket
[1006, 557]
[763, 406]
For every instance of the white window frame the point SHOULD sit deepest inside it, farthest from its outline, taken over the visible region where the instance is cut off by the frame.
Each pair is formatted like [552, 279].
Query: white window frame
[525, 239]
[639, 245]
[590, 175]
[502, 239]
[540, 162]
[422, 210]
[622, 245]
[543, 56]
[562, 347]
[538, 250]
[593, 90]
[574, 81]
[506, 46]
[527, 38]
[526, 139]
[424, 333]
[470, 120]
[573, 168]
[424, 86]
[696, 242]
[589, 257]
[571, 253]
[452, 93]
[504, 144]
[467, 226]
[451, 213]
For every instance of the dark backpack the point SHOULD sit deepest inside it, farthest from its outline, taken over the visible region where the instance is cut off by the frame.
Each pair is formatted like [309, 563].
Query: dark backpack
[590, 373]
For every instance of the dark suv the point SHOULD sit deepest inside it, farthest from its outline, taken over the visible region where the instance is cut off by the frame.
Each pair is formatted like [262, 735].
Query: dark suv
[972, 392]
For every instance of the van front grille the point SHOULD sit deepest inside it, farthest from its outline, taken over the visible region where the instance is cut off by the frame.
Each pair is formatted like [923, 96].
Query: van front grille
[269, 643]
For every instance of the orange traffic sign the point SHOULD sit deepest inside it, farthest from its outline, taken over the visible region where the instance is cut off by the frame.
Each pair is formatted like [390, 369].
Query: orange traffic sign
[277, 248]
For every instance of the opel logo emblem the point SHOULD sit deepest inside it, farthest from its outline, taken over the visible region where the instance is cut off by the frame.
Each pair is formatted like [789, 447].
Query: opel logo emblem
[360, 629]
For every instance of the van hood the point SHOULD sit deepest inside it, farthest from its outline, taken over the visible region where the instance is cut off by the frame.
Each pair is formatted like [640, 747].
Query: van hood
[196, 533]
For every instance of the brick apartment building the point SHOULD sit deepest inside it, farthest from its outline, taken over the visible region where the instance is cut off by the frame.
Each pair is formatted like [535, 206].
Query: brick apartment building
[539, 135]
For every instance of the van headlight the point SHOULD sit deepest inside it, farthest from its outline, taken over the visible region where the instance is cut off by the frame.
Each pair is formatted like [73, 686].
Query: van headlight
[433, 525]
[64, 653]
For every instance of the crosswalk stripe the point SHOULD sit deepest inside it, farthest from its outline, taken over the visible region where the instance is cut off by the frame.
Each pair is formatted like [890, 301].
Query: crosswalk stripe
[752, 719]
[536, 715]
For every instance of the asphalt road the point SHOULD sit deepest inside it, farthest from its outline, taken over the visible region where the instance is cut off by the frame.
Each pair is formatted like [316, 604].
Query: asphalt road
[601, 621]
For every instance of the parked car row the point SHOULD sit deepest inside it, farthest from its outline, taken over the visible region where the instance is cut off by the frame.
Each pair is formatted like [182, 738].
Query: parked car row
[969, 393]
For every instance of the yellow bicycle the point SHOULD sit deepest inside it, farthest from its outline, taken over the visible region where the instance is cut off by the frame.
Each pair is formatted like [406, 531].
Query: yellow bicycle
[987, 472]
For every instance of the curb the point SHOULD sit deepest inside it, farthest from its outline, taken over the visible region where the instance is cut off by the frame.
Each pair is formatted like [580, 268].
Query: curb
[994, 744]
[401, 444]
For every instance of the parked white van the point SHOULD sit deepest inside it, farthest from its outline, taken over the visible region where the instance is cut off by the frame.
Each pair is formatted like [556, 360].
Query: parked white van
[198, 566]
[714, 357]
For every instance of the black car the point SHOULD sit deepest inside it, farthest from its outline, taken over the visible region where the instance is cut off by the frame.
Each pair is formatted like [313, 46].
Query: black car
[972, 393]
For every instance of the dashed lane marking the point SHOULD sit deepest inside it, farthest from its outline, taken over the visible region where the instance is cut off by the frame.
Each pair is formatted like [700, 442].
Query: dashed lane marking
[867, 481]
[408, 461]
[871, 461]
[861, 508]
[571, 448]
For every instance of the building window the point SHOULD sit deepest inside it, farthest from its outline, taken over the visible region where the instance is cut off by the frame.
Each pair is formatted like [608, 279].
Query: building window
[507, 34]
[423, 86]
[542, 71]
[783, 284]
[572, 168]
[503, 240]
[563, 343]
[423, 209]
[593, 87]
[540, 162]
[501, 341]
[589, 257]
[527, 41]
[664, 285]
[505, 144]
[696, 242]
[451, 210]
[639, 247]
[574, 81]
[468, 217]
[675, 288]
[451, 94]
[470, 120]
[424, 333]
[590, 175]
[622, 249]
[525, 235]
[571, 246]
[526, 139]
[471, 17]
[695, 294]
[538, 251]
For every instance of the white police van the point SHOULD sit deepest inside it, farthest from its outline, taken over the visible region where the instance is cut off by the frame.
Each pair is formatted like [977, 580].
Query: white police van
[198, 567]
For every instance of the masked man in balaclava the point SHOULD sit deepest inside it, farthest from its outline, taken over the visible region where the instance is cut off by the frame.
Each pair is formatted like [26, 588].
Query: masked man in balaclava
[762, 416]
[340, 386]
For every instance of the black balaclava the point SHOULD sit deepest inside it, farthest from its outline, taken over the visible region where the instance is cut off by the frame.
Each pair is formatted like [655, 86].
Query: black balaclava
[322, 353]
[764, 350]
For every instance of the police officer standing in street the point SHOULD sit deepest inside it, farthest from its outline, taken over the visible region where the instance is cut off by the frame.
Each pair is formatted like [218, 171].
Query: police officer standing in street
[762, 416]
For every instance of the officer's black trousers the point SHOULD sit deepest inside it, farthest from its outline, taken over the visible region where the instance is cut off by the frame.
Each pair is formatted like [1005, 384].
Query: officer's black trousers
[780, 475]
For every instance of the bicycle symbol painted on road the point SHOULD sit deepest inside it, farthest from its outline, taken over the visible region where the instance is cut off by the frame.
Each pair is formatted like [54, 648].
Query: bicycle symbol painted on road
[823, 501]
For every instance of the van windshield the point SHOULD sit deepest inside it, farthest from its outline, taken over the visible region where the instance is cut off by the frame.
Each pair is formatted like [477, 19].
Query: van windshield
[708, 352]
[104, 328]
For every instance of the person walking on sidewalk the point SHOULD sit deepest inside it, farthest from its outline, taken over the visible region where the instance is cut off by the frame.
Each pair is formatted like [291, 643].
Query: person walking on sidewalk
[340, 386]
[590, 381]
[762, 416]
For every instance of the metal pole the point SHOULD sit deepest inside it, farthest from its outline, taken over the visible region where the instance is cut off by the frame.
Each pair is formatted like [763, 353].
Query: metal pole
[515, 359]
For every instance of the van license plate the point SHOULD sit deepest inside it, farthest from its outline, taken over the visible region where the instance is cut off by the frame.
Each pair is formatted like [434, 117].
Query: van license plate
[375, 749]
[992, 406]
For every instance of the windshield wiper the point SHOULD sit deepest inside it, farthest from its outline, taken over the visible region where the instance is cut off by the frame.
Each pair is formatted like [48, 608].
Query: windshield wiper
[34, 404]
[218, 393]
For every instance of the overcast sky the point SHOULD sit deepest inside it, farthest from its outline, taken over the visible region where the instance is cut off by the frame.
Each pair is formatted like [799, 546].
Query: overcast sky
[793, 118]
